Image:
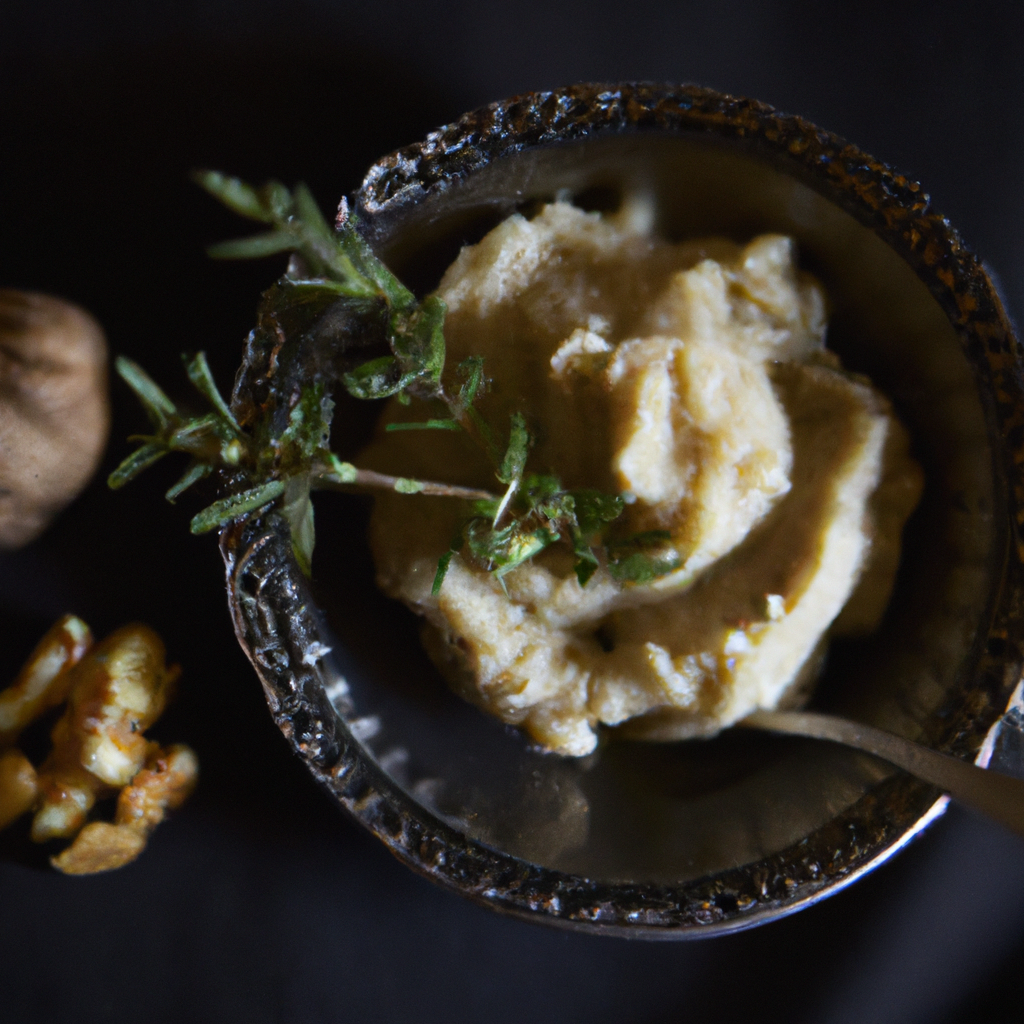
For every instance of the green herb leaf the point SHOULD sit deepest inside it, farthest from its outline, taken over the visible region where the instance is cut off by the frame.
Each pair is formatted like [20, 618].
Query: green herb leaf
[457, 544]
[514, 461]
[522, 547]
[633, 562]
[194, 434]
[586, 565]
[158, 406]
[235, 194]
[345, 472]
[442, 570]
[485, 508]
[417, 340]
[637, 541]
[194, 473]
[403, 485]
[471, 370]
[142, 458]
[506, 549]
[425, 425]
[488, 544]
[316, 288]
[594, 510]
[641, 567]
[199, 373]
[512, 465]
[309, 213]
[542, 487]
[379, 378]
[308, 427]
[223, 511]
[254, 247]
[544, 495]
[276, 199]
[431, 327]
[297, 508]
[355, 249]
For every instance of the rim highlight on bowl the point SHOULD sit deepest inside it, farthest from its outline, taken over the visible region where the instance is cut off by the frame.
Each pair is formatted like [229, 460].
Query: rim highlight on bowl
[686, 840]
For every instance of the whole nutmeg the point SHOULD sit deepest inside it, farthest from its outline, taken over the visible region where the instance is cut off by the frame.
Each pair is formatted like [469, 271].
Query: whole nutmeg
[54, 409]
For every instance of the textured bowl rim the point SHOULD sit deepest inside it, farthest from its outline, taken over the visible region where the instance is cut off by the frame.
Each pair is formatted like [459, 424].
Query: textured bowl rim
[283, 633]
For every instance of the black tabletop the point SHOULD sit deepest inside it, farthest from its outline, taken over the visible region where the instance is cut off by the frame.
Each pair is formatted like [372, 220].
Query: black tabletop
[258, 901]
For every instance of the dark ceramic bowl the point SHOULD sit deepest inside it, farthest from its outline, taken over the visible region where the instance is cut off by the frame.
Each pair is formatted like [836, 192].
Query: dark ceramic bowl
[686, 839]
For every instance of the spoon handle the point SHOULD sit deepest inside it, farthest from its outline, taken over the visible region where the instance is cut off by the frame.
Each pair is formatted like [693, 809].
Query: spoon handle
[1001, 797]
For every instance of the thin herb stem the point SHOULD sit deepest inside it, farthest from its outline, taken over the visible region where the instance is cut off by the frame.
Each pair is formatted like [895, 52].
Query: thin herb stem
[327, 480]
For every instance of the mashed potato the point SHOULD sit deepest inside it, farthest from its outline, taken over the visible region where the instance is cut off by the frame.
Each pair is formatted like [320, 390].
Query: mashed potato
[692, 379]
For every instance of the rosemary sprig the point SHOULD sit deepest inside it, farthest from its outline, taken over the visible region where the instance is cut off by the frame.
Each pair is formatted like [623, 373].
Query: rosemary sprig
[211, 440]
[270, 463]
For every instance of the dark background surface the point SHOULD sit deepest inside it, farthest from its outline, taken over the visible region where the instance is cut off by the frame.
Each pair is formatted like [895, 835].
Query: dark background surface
[258, 901]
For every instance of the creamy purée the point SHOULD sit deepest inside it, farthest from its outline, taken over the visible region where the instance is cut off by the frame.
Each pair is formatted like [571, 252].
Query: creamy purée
[693, 379]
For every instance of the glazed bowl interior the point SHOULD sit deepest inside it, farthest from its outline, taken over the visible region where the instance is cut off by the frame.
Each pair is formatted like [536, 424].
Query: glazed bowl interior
[673, 813]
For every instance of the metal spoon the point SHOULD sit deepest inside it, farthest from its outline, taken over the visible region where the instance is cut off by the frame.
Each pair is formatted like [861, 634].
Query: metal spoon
[1001, 797]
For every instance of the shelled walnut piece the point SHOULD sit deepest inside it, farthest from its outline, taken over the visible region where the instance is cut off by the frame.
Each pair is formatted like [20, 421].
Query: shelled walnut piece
[54, 411]
[114, 691]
